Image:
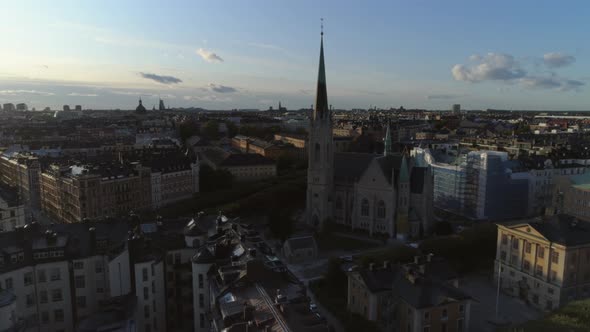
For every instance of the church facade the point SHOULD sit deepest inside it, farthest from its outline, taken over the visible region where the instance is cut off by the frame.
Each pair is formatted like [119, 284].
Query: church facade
[382, 194]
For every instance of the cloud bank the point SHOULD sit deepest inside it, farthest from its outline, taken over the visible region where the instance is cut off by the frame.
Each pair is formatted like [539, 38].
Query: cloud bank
[220, 88]
[556, 60]
[505, 68]
[208, 55]
[163, 79]
[25, 92]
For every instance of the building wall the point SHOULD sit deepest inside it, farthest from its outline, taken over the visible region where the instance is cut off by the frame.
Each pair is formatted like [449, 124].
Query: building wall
[151, 296]
[119, 274]
[252, 172]
[179, 289]
[548, 275]
[11, 216]
[90, 284]
[201, 290]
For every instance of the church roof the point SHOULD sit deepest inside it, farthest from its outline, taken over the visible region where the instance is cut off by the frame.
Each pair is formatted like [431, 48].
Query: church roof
[351, 165]
[417, 179]
[321, 110]
[389, 163]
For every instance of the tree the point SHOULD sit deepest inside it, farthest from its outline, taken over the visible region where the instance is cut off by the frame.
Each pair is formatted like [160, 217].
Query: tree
[443, 228]
[187, 129]
[280, 223]
[211, 130]
[212, 180]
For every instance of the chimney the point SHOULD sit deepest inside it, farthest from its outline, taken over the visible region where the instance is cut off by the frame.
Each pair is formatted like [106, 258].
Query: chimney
[386, 264]
[92, 234]
[371, 266]
[429, 257]
[416, 259]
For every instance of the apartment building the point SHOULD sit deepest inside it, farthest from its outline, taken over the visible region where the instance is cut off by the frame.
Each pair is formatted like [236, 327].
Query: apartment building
[73, 193]
[545, 262]
[243, 166]
[22, 172]
[12, 210]
[571, 195]
[420, 296]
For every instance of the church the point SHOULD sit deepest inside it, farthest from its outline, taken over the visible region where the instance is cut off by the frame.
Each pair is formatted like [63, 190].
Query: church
[382, 194]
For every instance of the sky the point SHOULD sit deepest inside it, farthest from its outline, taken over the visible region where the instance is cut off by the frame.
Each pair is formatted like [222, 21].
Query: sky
[252, 53]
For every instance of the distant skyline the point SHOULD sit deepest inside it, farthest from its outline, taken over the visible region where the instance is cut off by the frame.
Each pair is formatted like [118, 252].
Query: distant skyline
[253, 54]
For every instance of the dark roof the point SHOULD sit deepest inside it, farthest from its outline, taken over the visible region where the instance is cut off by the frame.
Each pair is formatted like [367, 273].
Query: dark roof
[389, 163]
[351, 165]
[9, 195]
[204, 256]
[424, 292]
[301, 242]
[417, 179]
[564, 229]
[246, 159]
[378, 279]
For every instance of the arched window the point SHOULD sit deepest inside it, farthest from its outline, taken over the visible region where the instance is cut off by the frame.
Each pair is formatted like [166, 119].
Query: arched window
[317, 152]
[381, 209]
[364, 207]
[339, 203]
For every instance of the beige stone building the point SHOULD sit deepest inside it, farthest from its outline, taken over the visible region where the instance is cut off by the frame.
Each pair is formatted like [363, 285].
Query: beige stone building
[545, 263]
[571, 195]
[72, 193]
[22, 173]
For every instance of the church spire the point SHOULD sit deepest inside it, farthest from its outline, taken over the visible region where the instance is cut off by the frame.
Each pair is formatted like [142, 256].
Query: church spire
[321, 110]
[387, 142]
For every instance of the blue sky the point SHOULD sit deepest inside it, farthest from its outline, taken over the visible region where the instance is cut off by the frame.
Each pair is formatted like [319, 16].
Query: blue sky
[253, 54]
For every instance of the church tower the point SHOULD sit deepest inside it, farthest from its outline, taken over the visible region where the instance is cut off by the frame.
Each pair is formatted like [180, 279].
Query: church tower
[320, 173]
[387, 142]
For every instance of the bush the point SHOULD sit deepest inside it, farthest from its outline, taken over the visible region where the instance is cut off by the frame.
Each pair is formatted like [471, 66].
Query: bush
[574, 317]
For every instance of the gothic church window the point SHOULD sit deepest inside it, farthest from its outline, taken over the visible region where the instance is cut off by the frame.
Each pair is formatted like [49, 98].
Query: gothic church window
[381, 209]
[365, 207]
[317, 152]
[339, 203]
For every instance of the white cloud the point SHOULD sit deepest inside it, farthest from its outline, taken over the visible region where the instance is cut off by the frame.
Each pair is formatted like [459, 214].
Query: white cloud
[76, 94]
[504, 68]
[207, 98]
[556, 60]
[25, 92]
[208, 55]
[492, 66]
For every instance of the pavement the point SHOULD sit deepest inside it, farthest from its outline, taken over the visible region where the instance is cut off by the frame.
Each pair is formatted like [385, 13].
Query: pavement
[483, 309]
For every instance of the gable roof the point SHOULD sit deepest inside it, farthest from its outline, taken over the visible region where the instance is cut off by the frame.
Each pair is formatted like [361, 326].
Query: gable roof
[563, 229]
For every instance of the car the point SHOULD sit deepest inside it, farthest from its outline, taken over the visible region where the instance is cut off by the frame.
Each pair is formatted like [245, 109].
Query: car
[313, 307]
[320, 317]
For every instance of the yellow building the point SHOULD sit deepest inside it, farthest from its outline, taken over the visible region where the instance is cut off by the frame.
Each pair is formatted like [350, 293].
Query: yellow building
[546, 263]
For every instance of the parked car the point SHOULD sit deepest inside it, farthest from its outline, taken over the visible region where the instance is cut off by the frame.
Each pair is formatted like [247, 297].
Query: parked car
[313, 307]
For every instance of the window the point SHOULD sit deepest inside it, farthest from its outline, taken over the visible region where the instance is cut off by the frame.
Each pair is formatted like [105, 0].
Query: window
[144, 273]
[539, 270]
[45, 317]
[554, 257]
[535, 299]
[504, 239]
[381, 209]
[55, 274]
[426, 315]
[339, 203]
[503, 255]
[364, 207]
[317, 152]
[8, 283]
[541, 252]
[30, 300]
[98, 266]
[78, 265]
[200, 280]
[146, 311]
[202, 320]
[56, 295]
[514, 243]
[43, 296]
[444, 313]
[28, 279]
[58, 315]
[81, 302]
[153, 270]
[146, 293]
[201, 301]
[79, 281]
[153, 287]
[460, 325]
[526, 265]
[461, 308]
[41, 276]
[527, 247]
[553, 276]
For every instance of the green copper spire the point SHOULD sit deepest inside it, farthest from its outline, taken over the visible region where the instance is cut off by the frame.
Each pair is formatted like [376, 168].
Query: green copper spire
[404, 174]
[387, 142]
[321, 110]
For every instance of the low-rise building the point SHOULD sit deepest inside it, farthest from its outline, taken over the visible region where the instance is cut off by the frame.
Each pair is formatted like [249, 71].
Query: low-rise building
[544, 262]
[243, 166]
[300, 248]
[421, 296]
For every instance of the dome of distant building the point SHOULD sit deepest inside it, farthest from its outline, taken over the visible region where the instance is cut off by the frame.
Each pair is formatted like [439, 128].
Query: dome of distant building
[140, 108]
